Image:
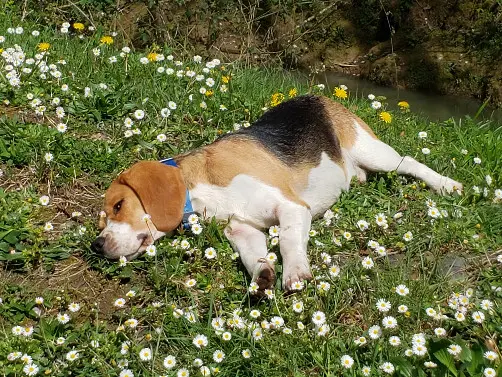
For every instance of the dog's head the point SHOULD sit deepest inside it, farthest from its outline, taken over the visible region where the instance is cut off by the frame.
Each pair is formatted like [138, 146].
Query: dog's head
[141, 205]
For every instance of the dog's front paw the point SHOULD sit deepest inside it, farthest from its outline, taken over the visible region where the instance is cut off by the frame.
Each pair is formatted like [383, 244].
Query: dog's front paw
[448, 186]
[294, 276]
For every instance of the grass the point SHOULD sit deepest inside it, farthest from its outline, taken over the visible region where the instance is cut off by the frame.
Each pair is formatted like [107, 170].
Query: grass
[452, 263]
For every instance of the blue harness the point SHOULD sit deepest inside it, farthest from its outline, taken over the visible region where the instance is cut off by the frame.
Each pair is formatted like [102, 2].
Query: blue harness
[187, 209]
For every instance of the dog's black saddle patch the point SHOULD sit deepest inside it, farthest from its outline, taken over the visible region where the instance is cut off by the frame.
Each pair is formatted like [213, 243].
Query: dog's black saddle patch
[296, 131]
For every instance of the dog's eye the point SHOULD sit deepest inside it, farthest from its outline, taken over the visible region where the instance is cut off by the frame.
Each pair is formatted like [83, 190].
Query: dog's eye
[117, 206]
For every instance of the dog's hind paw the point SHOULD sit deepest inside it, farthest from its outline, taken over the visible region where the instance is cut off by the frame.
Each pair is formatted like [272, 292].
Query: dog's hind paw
[266, 277]
[448, 186]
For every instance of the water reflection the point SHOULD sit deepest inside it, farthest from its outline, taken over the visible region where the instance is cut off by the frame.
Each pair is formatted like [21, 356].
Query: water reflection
[433, 106]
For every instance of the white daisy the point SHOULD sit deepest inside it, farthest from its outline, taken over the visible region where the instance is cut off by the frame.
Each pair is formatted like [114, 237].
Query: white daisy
[72, 355]
[387, 368]
[402, 309]
[139, 114]
[383, 305]
[210, 252]
[454, 349]
[347, 361]
[145, 354]
[200, 341]
[44, 200]
[490, 355]
[274, 231]
[389, 322]
[374, 332]
[478, 317]
[367, 263]
[394, 341]
[218, 356]
[376, 105]
[74, 307]
[402, 290]
[169, 362]
[297, 306]
[489, 372]
[151, 250]
[318, 318]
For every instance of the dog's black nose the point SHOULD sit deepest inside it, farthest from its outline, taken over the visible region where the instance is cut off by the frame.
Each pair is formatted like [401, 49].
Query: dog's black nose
[97, 245]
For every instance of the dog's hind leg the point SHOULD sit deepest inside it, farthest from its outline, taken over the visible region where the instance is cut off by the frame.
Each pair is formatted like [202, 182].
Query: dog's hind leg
[374, 155]
[251, 244]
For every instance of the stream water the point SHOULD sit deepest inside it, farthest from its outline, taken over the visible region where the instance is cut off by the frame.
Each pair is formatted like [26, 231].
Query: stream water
[433, 106]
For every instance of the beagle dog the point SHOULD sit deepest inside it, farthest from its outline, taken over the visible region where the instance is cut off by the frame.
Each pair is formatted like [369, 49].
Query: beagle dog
[289, 167]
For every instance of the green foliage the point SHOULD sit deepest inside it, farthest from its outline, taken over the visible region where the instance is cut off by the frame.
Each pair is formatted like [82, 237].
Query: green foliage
[55, 268]
[26, 144]
[14, 229]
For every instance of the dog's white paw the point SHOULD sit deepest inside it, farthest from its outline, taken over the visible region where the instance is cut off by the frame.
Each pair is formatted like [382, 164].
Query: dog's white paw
[294, 274]
[448, 186]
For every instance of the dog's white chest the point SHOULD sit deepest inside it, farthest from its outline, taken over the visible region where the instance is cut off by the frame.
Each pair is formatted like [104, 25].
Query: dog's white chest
[245, 198]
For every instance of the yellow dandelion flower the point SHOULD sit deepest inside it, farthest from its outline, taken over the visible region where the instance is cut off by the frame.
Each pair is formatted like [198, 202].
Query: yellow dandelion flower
[340, 93]
[292, 92]
[44, 46]
[209, 93]
[1, 50]
[386, 117]
[403, 105]
[78, 26]
[106, 40]
[152, 56]
[225, 79]
[277, 98]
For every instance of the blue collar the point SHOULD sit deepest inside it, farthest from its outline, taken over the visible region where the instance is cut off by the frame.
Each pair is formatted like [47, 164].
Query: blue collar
[188, 209]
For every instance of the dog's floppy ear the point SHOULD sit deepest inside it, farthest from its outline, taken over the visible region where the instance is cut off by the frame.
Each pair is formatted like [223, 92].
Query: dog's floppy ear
[161, 190]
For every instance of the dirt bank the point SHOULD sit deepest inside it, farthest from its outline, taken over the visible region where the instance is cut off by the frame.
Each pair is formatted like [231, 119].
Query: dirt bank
[446, 46]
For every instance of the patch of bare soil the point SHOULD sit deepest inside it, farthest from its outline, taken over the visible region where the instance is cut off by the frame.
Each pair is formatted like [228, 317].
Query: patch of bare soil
[72, 277]
[15, 179]
[78, 196]
[24, 115]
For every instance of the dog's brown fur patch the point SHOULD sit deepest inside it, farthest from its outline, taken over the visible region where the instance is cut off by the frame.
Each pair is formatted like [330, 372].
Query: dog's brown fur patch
[152, 186]
[343, 122]
[220, 162]
[130, 209]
